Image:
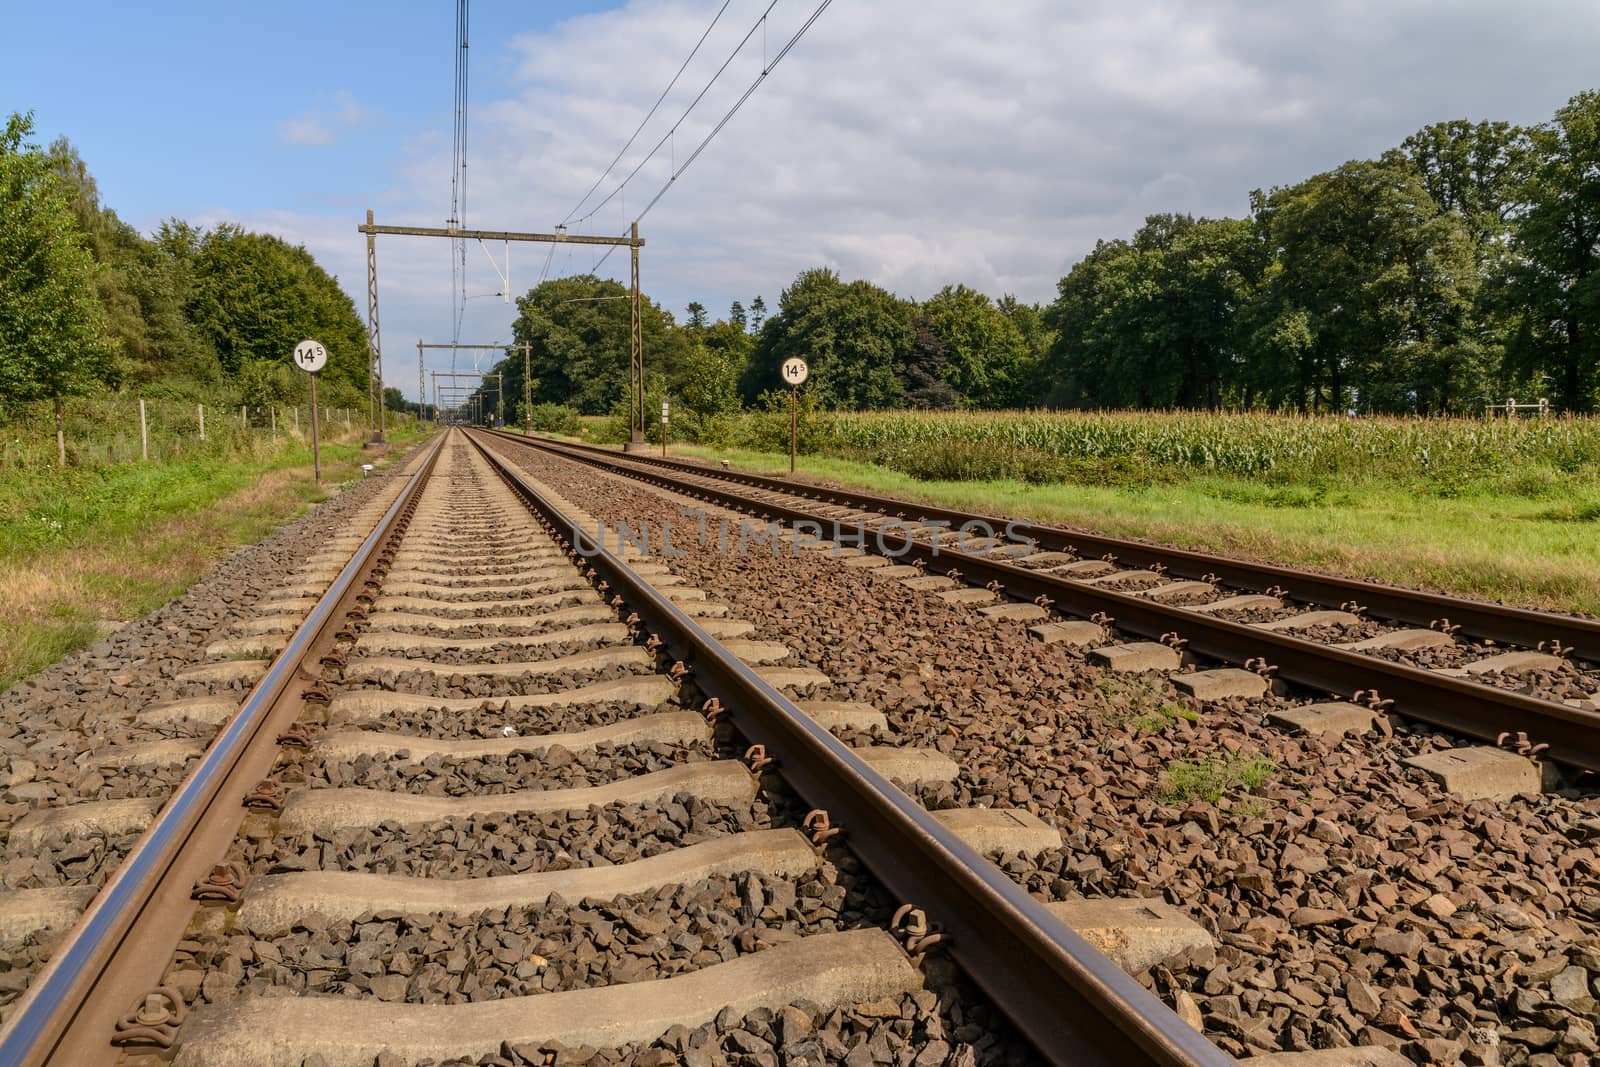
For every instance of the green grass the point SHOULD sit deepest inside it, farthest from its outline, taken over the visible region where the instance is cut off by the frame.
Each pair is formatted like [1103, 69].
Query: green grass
[1527, 537]
[83, 548]
[1210, 778]
[1139, 705]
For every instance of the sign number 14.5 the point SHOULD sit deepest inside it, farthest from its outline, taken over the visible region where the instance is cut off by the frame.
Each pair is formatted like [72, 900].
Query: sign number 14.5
[310, 356]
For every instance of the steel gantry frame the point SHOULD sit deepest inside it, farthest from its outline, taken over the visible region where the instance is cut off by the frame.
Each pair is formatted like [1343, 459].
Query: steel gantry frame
[507, 348]
[474, 396]
[632, 242]
[374, 344]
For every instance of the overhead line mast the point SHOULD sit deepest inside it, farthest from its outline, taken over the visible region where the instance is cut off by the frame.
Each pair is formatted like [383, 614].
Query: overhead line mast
[633, 242]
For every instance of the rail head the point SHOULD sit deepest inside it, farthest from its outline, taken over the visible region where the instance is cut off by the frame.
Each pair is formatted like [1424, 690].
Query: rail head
[1076, 1006]
[1499, 622]
[1470, 708]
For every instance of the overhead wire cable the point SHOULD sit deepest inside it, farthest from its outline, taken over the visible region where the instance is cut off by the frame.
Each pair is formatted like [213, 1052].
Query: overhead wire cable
[766, 69]
[651, 113]
[686, 112]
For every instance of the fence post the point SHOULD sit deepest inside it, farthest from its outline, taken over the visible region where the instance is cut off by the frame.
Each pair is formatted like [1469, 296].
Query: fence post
[297, 418]
[274, 418]
[144, 434]
[244, 417]
[202, 410]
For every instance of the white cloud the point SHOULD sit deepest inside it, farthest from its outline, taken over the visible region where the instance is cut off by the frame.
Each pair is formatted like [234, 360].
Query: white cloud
[323, 126]
[919, 144]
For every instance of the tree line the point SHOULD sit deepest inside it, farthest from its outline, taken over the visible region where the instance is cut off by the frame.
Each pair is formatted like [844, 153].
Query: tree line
[1460, 267]
[88, 303]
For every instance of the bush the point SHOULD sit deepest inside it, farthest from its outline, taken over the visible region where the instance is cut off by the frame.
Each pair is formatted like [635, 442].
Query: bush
[554, 418]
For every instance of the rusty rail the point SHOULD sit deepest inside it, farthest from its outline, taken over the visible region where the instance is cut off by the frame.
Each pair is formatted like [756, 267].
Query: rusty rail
[1502, 623]
[1469, 708]
[1076, 1006]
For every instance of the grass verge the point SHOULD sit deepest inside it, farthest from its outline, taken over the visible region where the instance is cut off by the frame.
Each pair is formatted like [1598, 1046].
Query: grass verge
[1533, 545]
[84, 549]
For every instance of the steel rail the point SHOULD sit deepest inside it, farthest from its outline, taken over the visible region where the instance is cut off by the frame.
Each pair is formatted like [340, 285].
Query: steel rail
[1470, 708]
[1076, 1006]
[68, 1015]
[1503, 623]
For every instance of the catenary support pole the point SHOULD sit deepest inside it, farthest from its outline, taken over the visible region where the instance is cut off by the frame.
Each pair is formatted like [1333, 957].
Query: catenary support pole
[374, 343]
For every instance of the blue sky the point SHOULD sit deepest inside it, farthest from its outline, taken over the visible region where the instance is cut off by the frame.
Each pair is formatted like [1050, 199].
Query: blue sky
[184, 111]
[915, 143]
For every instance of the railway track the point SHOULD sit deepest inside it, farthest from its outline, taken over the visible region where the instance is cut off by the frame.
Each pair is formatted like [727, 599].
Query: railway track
[505, 795]
[1525, 681]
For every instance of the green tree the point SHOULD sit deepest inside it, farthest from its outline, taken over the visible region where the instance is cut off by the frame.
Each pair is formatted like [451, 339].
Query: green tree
[1153, 322]
[53, 341]
[578, 330]
[1030, 323]
[255, 296]
[1554, 280]
[855, 338]
[758, 313]
[697, 315]
[985, 355]
[141, 285]
[1385, 281]
[737, 316]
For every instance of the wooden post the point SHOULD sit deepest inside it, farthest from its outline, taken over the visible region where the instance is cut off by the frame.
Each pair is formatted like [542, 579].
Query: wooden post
[244, 416]
[297, 418]
[144, 434]
[273, 418]
[61, 431]
[201, 408]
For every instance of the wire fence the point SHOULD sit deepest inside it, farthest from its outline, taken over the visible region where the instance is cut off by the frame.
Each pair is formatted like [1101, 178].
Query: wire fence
[105, 431]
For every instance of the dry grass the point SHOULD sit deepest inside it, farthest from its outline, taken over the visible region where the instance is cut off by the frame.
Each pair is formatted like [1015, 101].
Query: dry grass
[116, 565]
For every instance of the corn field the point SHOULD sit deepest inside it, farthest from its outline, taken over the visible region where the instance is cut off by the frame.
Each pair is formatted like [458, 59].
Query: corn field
[1047, 446]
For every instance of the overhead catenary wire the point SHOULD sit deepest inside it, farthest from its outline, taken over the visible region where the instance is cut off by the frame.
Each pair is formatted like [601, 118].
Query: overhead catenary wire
[766, 69]
[651, 113]
[458, 178]
[667, 137]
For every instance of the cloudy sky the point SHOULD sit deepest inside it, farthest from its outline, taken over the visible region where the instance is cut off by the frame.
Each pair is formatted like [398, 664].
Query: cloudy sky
[912, 142]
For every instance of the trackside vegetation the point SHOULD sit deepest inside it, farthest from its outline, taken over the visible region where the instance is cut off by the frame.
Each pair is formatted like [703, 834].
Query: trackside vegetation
[1499, 509]
[85, 548]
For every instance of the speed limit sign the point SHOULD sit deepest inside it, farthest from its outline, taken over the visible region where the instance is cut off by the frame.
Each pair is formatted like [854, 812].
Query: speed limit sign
[795, 371]
[310, 356]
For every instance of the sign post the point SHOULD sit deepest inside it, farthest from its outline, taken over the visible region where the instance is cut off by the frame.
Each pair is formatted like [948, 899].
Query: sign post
[663, 427]
[311, 356]
[795, 373]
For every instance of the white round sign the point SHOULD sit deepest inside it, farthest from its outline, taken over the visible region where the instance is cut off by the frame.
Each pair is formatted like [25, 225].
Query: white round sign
[310, 356]
[795, 371]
